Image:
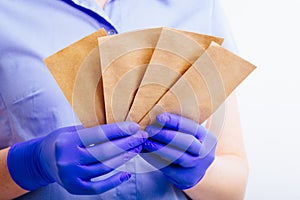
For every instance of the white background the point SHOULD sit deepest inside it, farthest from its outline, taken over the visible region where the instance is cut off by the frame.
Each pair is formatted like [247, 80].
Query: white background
[267, 34]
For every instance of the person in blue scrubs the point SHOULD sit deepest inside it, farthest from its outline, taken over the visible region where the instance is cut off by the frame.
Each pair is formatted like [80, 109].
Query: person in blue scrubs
[44, 149]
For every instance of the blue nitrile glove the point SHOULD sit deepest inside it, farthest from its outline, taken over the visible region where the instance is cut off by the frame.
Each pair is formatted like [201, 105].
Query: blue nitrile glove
[181, 148]
[72, 156]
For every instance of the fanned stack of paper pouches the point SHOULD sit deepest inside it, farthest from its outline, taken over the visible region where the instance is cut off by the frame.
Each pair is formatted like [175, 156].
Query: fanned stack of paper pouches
[136, 75]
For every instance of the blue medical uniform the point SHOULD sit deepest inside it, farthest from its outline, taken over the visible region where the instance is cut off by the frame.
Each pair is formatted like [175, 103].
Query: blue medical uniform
[32, 104]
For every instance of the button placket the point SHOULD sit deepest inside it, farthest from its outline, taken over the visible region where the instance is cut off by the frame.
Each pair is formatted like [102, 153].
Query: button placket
[111, 32]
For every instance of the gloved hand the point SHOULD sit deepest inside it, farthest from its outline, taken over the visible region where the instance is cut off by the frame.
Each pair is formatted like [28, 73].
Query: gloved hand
[72, 157]
[181, 148]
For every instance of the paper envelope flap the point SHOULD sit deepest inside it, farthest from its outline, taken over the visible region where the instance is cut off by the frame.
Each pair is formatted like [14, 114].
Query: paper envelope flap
[204, 86]
[174, 53]
[124, 59]
[70, 67]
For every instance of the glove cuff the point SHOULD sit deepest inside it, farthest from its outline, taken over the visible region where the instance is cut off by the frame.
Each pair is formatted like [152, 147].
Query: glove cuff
[24, 165]
[185, 187]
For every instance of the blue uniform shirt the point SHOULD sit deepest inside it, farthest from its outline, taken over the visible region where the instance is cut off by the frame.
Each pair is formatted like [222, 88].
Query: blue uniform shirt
[31, 103]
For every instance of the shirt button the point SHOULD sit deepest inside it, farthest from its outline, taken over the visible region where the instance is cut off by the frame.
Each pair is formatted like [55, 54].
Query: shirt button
[111, 32]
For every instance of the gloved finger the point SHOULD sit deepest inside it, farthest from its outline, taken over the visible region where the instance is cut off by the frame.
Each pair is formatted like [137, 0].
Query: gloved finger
[97, 187]
[209, 144]
[101, 168]
[171, 154]
[103, 133]
[110, 149]
[176, 139]
[70, 129]
[182, 124]
[79, 127]
[175, 173]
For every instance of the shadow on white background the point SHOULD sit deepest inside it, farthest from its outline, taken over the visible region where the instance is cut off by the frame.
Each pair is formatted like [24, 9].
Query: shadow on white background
[267, 34]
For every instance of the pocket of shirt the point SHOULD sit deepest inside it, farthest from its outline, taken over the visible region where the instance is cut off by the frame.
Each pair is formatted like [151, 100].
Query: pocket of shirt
[5, 130]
